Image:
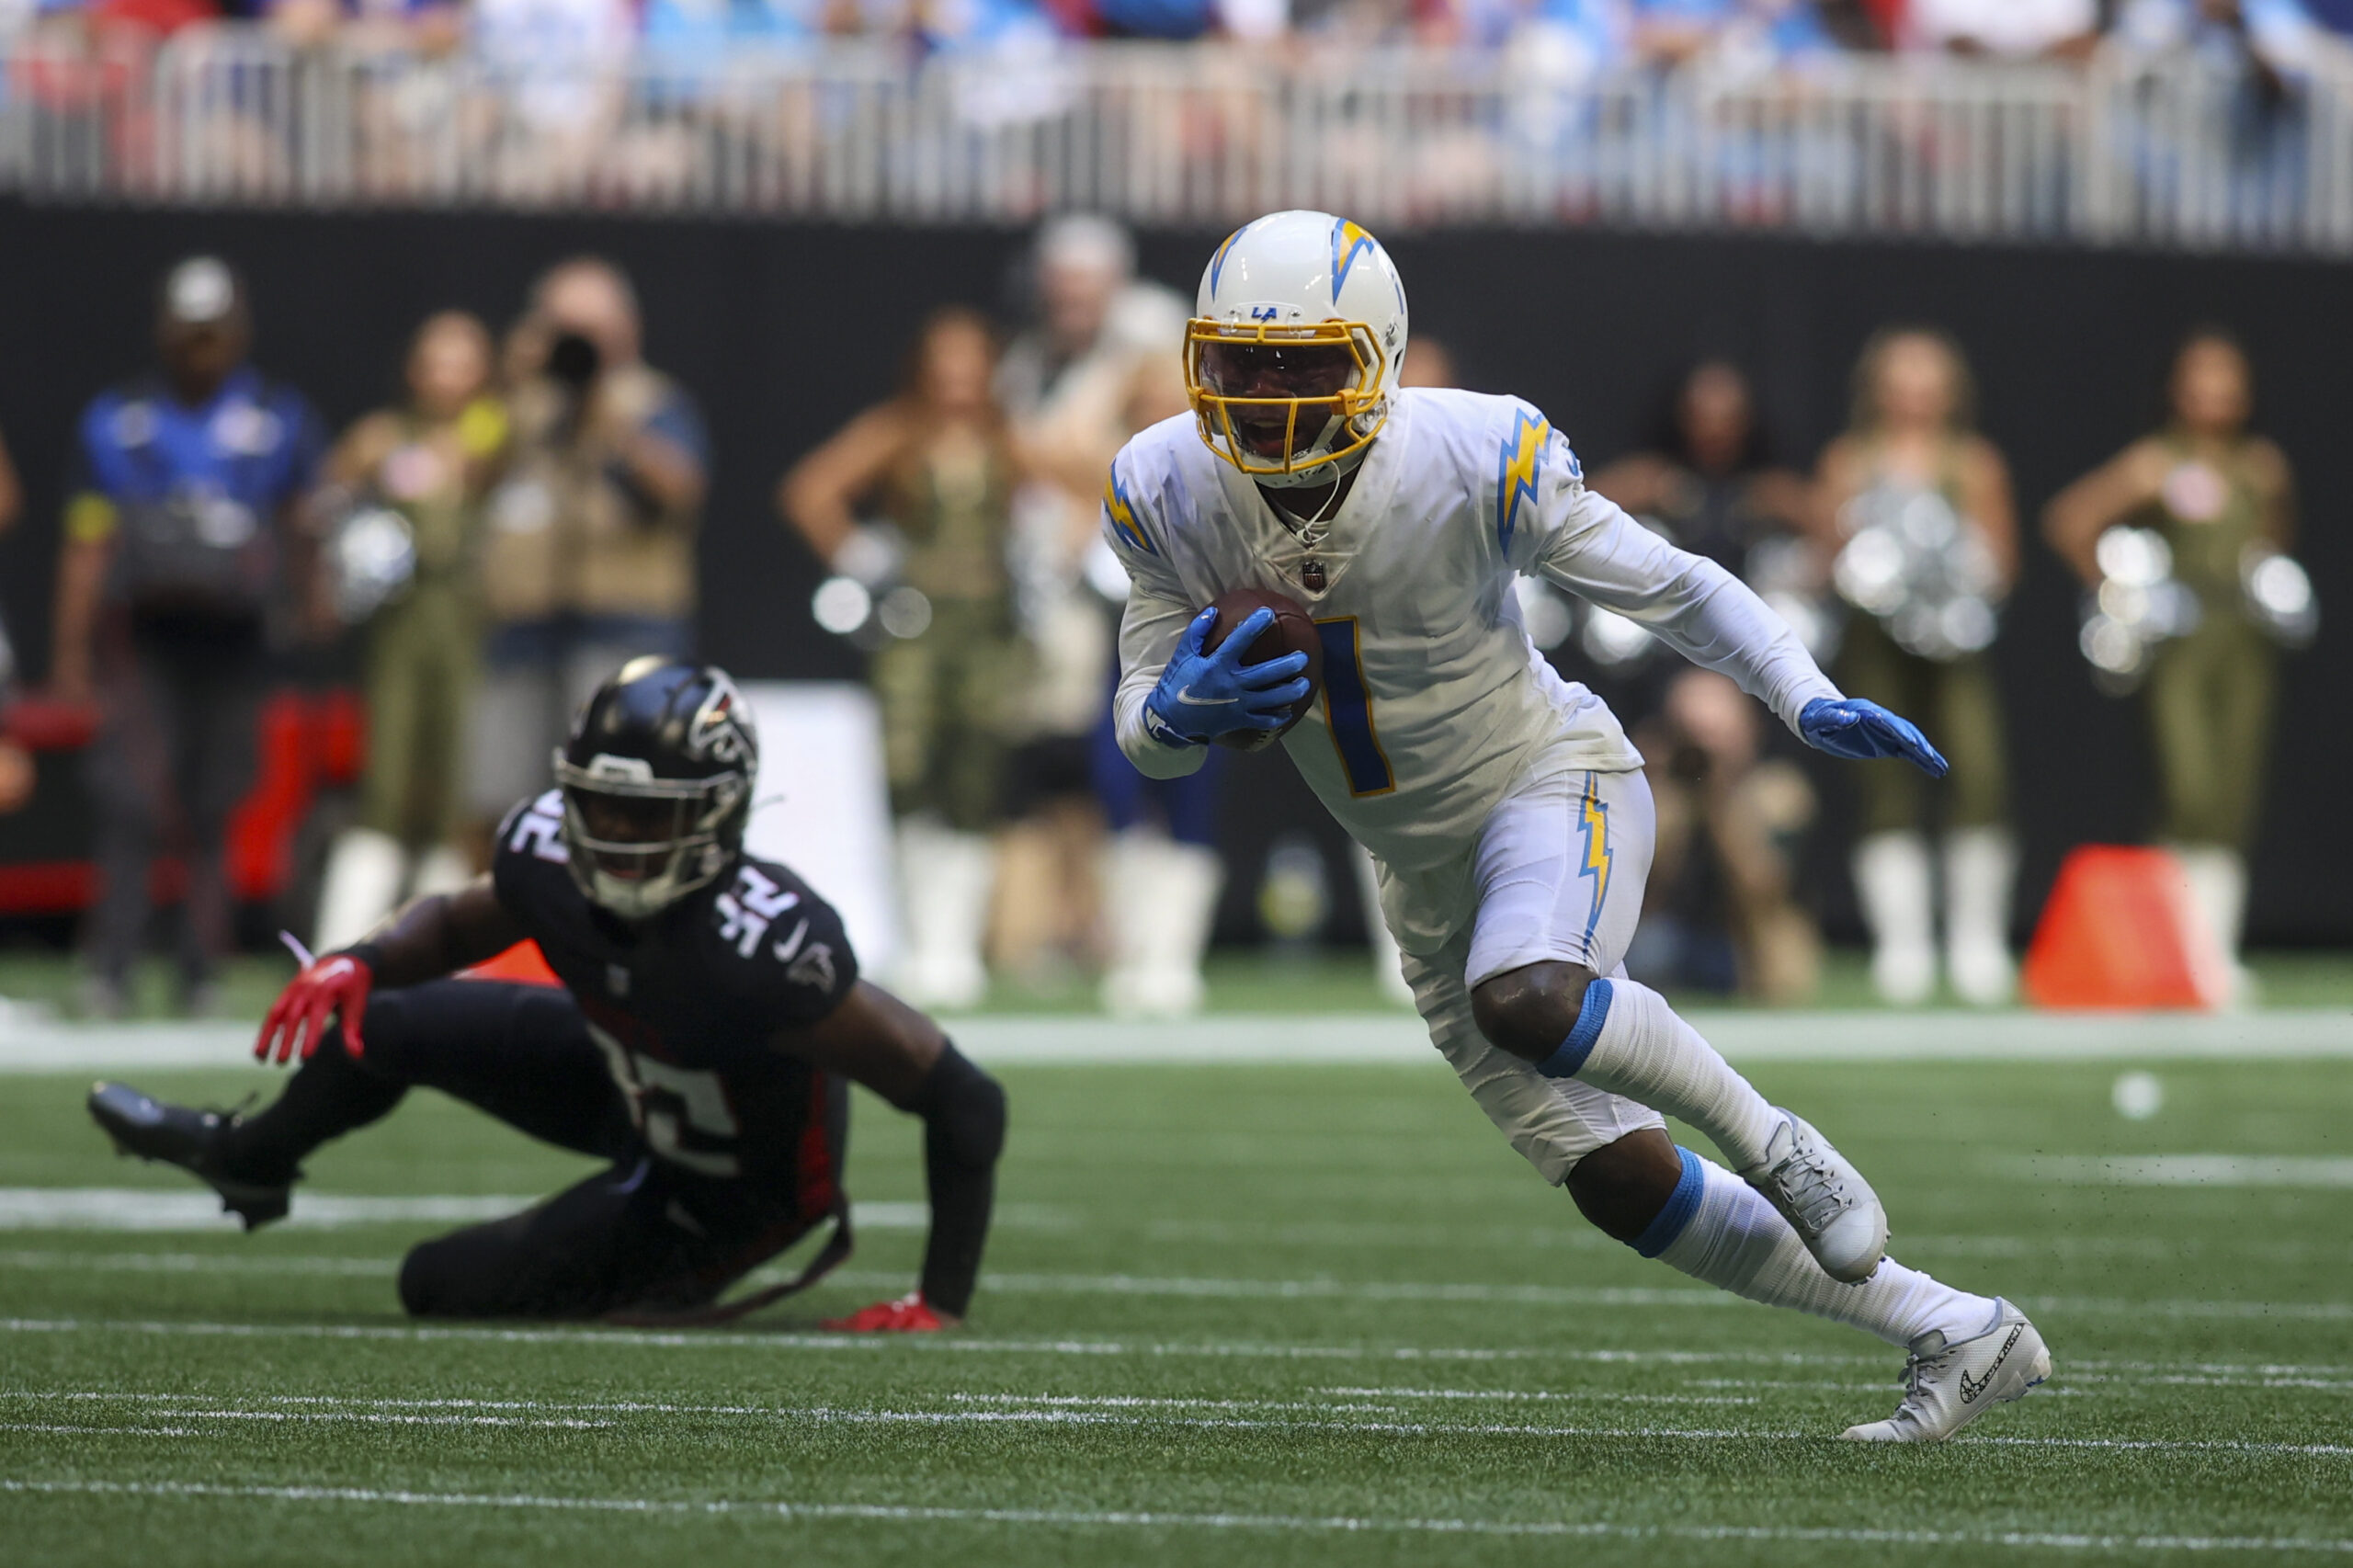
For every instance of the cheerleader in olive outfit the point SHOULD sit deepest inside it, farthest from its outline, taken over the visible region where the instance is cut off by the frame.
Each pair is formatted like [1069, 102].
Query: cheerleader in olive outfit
[2214, 492]
[937, 464]
[1911, 430]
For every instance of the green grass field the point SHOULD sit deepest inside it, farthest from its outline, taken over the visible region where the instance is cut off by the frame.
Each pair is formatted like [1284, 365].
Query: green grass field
[1254, 1314]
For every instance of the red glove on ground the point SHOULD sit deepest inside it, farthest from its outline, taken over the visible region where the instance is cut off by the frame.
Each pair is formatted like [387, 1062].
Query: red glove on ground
[297, 1019]
[909, 1314]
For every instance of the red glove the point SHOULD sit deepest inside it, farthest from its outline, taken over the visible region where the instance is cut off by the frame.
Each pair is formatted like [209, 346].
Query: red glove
[909, 1314]
[298, 1020]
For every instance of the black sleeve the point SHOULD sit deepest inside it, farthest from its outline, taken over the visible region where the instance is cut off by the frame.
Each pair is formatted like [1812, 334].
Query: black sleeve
[964, 1113]
[529, 845]
[785, 946]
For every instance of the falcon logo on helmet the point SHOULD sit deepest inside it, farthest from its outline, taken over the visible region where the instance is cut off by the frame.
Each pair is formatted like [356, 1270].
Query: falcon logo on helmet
[1293, 352]
[657, 785]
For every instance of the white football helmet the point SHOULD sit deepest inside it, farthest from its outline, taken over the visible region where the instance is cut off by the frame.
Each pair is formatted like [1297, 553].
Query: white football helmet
[1293, 352]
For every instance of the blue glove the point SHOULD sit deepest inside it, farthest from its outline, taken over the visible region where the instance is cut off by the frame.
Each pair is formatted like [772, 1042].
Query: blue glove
[1202, 696]
[1851, 727]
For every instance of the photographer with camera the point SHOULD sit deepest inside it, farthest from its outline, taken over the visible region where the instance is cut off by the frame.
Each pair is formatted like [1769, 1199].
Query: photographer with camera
[589, 556]
[182, 536]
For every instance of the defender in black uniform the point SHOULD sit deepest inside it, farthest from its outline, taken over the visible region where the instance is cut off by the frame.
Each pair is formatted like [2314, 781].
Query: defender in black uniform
[710, 1021]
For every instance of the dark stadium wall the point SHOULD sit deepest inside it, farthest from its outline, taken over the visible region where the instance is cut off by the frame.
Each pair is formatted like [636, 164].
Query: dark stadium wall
[782, 331]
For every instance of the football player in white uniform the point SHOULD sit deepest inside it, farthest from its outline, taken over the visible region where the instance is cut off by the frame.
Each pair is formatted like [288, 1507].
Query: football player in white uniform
[1505, 805]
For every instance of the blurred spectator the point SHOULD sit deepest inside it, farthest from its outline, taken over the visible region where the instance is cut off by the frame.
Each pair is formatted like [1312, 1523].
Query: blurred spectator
[180, 541]
[1724, 917]
[589, 556]
[409, 483]
[1709, 483]
[1717, 913]
[1428, 363]
[1673, 32]
[2265, 51]
[426, 27]
[1912, 454]
[2016, 29]
[938, 462]
[2277, 37]
[2217, 495]
[1069, 383]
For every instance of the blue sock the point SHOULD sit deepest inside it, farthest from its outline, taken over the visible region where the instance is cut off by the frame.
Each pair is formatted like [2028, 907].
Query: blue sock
[1591, 1014]
[1680, 1205]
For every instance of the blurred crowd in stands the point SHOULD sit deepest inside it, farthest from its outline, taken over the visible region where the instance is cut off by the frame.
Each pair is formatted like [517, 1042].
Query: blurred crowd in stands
[524, 518]
[1597, 35]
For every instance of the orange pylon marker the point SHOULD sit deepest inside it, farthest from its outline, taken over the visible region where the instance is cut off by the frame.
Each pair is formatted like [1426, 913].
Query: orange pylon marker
[2119, 931]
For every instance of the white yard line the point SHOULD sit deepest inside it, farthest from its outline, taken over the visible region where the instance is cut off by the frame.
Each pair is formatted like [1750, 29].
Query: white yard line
[1182, 1288]
[788, 1511]
[1063, 1040]
[1119, 1413]
[925, 1344]
[2182, 1170]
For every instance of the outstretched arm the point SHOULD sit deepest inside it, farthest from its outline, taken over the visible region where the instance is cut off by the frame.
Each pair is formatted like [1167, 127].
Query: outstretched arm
[1697, 607]
[1589, 546]
[426, 938]
[876, 1039]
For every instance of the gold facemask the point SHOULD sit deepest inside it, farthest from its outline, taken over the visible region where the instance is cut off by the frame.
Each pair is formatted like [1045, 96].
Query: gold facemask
[1349, 405]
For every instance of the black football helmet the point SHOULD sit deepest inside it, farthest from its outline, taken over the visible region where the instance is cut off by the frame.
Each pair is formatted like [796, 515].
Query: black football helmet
[657, 784]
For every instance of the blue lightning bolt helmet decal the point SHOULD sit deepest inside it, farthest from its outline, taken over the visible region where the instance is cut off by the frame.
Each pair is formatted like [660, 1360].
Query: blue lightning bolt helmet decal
[1349, 242]
[1217, 262]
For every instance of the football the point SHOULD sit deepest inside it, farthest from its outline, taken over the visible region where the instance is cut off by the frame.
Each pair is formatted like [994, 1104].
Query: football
[1292, 633]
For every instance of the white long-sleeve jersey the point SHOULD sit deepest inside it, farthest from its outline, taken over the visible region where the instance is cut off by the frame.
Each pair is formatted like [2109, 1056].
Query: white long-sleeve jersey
[1434, 700]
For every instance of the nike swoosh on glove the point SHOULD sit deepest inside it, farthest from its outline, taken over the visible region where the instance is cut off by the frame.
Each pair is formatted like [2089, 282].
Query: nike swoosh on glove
[1202, 695]
[1851, 727]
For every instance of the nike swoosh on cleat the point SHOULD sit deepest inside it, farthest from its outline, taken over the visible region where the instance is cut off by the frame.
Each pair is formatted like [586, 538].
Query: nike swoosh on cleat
[1189, 700]
[1969, 1391]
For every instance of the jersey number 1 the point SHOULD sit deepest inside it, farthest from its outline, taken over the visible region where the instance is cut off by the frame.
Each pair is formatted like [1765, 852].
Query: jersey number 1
[1348, 709]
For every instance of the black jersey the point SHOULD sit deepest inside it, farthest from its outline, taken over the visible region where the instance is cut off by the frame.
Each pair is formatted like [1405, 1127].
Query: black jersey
[685, 1006]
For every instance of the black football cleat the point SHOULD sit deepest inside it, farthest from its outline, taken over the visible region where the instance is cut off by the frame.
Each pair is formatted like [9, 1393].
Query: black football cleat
[191, 1139]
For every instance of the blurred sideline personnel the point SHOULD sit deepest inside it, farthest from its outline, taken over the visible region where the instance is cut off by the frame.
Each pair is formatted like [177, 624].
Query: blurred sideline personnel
[1721, 914]
[1505, 806]
[2216, 495]
[939, 464]
[183, 543]
[1068, 382]
[1913, 436]
[589, 556]
[712, 1022]
[429, 463]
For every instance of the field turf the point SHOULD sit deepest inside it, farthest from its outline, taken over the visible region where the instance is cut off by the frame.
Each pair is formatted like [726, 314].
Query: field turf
[1258, 1315]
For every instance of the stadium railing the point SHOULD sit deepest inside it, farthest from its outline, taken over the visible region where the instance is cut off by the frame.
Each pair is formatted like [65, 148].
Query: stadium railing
[2124, 149]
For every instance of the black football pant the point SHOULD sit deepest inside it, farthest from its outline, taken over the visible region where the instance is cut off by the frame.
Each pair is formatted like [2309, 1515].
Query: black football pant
[641, 1235]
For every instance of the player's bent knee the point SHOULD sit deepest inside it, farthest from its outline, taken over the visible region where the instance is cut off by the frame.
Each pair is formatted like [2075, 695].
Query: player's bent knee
[1531, 1010]
[1624, 1188]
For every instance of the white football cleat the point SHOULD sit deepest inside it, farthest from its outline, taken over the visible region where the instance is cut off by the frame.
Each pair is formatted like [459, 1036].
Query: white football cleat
[1948, 1385]
[1825, 1199]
